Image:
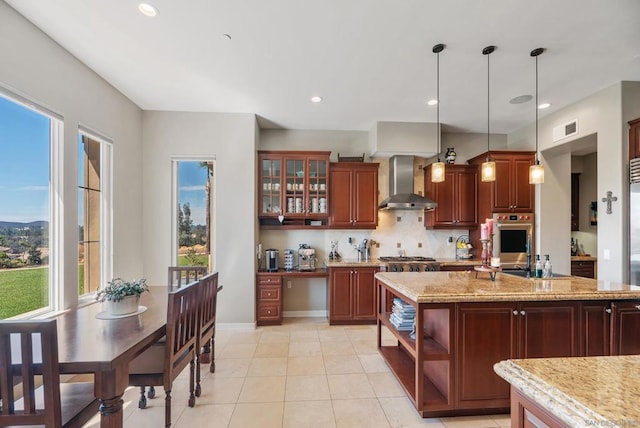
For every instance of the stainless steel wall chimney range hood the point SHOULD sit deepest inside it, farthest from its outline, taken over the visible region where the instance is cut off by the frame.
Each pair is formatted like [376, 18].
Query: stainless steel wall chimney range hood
[402, 196]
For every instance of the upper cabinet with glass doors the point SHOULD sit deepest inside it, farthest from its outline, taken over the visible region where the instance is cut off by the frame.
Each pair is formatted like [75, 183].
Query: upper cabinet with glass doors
[293, 188]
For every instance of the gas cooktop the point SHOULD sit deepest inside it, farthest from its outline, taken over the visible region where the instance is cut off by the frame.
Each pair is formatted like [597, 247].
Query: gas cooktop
[406, 259]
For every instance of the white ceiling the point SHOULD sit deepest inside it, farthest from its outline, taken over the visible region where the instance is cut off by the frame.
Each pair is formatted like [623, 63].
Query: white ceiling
[370, 60]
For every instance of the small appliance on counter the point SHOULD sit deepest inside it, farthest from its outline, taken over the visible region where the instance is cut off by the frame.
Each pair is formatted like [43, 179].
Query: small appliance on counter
[333, 254]
[288, 259]
[306, 258]
[271, 260]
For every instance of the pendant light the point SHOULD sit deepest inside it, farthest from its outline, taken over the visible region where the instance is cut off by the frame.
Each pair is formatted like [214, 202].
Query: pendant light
[488, 169]
[437, 168]
[536, 171]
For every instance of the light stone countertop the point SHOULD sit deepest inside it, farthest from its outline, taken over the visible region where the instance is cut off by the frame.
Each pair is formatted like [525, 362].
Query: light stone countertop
[354, 263]
[451, 287]
[581, 391]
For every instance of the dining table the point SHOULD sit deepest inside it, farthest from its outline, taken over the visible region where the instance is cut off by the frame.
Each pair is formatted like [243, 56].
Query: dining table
[88, 343]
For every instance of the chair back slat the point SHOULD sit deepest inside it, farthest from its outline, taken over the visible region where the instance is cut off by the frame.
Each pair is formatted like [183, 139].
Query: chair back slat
[179, 275]
[23, 372]
[182, 323]
[208, 305]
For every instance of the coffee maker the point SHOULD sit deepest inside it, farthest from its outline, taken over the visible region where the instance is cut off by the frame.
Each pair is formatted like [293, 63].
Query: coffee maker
[271, 260]
[306, 258]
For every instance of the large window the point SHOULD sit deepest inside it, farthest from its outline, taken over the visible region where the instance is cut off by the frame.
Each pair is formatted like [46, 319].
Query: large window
[93, 210]
[27, 141]
[194, 200]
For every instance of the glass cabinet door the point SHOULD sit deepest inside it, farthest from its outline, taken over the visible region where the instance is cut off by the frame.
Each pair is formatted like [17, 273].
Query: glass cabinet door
[295, 184]
[317, 186]
[271, 185]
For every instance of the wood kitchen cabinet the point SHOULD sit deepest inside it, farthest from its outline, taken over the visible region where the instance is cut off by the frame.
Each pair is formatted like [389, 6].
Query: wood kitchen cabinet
[575, 201]
[511, 191]
[492, 332]
[353, 195]
[294, 184]
[527, 414]
[625, 325]
[634, 139]
[456, 197]
[594, 335]
[268, 298]
[351, 295]
[583, 268]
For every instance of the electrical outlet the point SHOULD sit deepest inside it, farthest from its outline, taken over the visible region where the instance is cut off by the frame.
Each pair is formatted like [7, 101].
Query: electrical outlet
[398, 245]
[289, 284]
[606, 254]
[419, 219]
[450, 240]
[419, 244]
[398, 219]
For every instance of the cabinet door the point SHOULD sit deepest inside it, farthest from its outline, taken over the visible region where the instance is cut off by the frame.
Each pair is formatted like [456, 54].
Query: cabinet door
[486, 335]
[547, 330]
[317, 182]
[340, 294]
[340, 191]
[501, 194]
[634, 139]
[443, 194]
[522, 195]
[270, 186]
[583, 268]
[364, 294]
[625, 325]
[466, 194]
[365, 197]
[594, 329]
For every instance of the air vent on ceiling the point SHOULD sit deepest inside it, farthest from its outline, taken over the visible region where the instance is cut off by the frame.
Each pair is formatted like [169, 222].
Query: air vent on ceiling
[566, 130]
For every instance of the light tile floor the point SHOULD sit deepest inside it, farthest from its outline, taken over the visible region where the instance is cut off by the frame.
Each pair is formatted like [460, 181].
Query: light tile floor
[304, 373]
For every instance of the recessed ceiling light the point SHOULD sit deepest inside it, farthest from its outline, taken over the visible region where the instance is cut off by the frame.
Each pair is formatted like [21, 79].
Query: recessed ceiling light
[432, 102]
[520, 99]
[316, 99]
[147, 9]
[544, 105]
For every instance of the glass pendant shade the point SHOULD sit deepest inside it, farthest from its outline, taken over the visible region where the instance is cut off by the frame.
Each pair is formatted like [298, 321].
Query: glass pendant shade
[488, 171]
[437, 172]
[536, 174]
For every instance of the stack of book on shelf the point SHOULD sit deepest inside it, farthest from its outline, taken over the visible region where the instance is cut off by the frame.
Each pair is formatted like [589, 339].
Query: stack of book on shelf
[402, 316]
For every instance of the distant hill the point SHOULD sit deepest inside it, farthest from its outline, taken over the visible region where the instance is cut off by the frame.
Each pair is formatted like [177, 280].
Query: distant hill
[12, 224]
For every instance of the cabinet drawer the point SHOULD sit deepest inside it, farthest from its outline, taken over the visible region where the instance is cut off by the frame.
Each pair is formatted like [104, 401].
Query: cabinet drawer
[268, 311]
[269, 280]
[268, 293]
[583, 268]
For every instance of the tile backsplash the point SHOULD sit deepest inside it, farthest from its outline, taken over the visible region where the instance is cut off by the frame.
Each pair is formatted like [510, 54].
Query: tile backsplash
[397, 230]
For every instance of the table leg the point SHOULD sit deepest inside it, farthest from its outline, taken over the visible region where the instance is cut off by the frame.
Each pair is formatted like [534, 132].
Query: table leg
[109, 388]
[111, 415]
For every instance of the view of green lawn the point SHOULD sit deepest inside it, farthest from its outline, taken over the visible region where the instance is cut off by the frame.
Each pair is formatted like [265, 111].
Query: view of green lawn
[23, 290]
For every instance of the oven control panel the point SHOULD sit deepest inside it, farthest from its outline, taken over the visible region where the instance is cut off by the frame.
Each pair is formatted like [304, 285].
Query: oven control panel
[513, 218]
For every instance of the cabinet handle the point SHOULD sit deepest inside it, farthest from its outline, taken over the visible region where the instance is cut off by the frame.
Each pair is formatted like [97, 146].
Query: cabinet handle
[522, 313]
[268, 312]
[269, 280]
[608, 310]
[515, 312]
[268, 294]
[638, 307]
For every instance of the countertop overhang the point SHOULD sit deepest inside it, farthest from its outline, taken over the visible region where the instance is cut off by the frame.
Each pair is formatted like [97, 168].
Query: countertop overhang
[580, 391]
[452, 287]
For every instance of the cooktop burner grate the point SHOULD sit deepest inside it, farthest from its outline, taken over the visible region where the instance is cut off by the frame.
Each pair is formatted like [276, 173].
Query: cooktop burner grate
[406, 259]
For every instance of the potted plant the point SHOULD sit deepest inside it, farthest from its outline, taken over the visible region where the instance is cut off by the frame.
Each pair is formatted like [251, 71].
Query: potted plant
[122, 296]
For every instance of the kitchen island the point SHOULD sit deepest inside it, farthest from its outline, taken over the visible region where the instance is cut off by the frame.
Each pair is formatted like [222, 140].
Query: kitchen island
[464, 325]
[574, 392]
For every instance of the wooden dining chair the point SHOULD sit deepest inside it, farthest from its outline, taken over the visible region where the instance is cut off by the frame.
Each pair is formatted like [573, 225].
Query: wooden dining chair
[162, 362]
[53, 404]
[207, 326]
[179, 275]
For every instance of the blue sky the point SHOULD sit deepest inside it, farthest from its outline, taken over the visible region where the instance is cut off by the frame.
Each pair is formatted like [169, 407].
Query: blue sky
[191, 181]
[24, 163]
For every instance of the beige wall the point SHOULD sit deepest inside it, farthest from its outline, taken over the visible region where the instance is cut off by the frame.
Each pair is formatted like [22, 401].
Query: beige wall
[604, 114]
[38, 68]
[231, 140]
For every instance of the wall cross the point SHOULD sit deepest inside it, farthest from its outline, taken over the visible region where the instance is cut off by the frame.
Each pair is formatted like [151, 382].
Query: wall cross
[608, 200]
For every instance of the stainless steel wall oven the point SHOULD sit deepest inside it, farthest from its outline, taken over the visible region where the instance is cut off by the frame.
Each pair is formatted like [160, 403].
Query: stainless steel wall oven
[513, 238]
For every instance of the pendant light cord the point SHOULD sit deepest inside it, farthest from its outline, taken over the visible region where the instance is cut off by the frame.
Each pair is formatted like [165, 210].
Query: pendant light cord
[487, 51]
[438, 99]
[537, 160]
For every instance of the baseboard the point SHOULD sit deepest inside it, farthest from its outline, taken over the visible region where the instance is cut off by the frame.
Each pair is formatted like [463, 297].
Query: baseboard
[236, 326]
[303, 314]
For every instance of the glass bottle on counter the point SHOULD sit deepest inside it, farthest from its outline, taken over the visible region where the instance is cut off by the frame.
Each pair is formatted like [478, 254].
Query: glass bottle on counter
[546, 269]
[537, 272]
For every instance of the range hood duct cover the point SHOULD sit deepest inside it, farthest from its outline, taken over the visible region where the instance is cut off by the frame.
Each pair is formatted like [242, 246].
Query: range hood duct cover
[401, 187]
